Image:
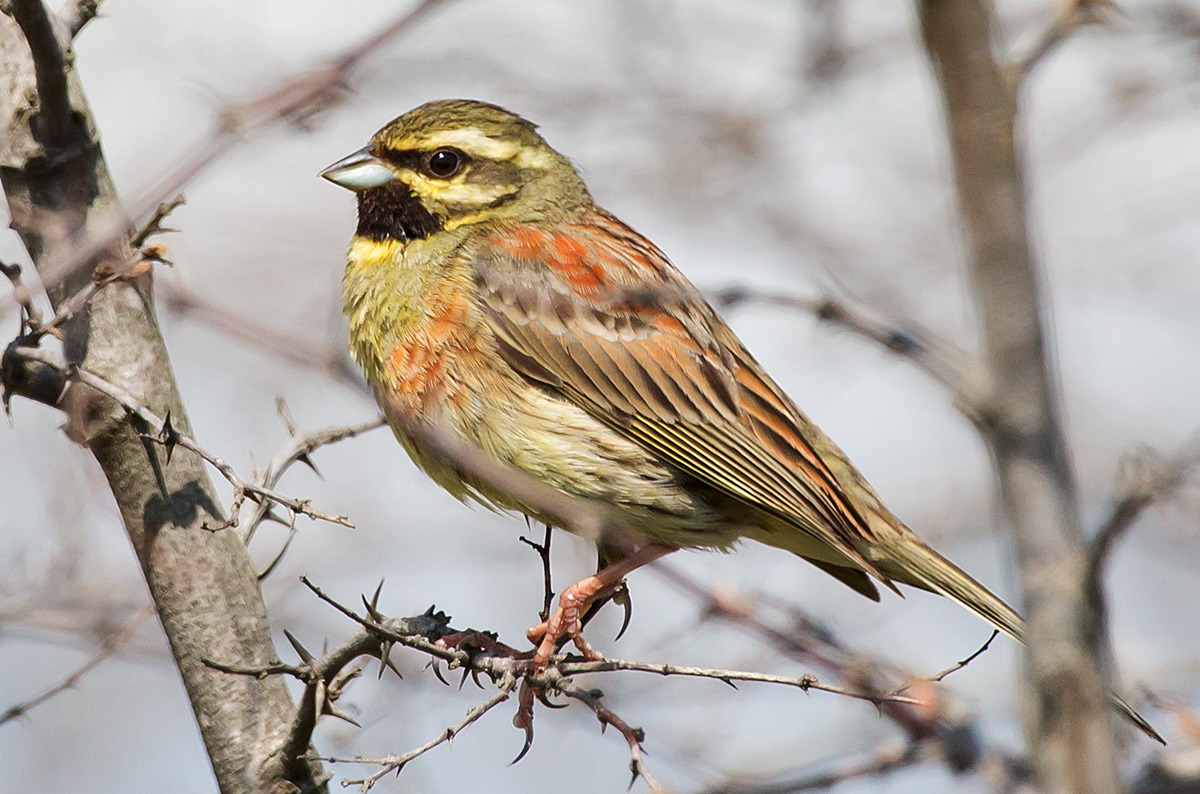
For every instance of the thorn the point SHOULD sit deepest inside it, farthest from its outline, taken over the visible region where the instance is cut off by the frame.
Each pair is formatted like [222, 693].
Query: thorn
[437, 671]
[271, 515]
[372, 608]
[170, 436]
[463, 680]
[307, 461]
[547, 702]
[334, 711]
[303, 653]
[385, 657]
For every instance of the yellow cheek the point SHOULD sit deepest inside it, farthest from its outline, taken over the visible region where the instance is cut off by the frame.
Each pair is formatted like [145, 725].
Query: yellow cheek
[457, 191]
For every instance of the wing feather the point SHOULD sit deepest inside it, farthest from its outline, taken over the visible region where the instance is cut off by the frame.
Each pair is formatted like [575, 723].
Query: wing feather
[636, 345]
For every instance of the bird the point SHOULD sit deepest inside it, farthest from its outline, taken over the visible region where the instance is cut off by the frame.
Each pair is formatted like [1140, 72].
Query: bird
[490, 299]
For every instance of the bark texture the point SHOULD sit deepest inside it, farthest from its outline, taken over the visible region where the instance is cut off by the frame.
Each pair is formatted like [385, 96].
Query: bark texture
[1069, 724]
[203, 584]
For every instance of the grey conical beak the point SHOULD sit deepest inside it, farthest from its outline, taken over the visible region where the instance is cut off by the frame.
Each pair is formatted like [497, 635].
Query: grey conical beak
[360, 171]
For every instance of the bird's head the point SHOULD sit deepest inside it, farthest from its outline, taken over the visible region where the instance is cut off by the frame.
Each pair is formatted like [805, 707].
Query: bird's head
[455, 162]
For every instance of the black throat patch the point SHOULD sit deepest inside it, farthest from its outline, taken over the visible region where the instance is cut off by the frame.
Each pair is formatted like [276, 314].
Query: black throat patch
[392, 212]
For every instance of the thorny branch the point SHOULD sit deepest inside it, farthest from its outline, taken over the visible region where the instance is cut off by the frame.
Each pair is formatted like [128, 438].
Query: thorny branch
[106, 649]
[478, 653]
[159, 430]
[299, 448]
[396, 763]
[633, 736]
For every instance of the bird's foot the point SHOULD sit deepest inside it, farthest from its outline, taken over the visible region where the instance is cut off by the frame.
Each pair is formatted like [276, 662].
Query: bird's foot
[567, 621]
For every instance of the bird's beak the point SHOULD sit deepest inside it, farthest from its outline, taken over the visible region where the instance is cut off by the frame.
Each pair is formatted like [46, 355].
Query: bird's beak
[360, 171]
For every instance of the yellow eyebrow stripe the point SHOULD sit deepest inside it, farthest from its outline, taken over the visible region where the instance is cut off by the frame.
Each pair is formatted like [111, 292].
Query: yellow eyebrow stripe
[476, 143]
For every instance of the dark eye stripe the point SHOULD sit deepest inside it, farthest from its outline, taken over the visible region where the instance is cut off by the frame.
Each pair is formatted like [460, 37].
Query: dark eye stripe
[415, 159]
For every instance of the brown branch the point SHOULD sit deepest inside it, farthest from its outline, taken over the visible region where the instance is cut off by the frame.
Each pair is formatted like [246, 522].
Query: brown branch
[887, 760]
[954, 668]
[106, 649]
[1069, 17]
[395, 763]
[301, 444]
[1154, 484]
[1069, 728]
[633, 736]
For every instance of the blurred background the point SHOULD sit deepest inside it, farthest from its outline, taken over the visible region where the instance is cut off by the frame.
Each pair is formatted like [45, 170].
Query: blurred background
[789, 145]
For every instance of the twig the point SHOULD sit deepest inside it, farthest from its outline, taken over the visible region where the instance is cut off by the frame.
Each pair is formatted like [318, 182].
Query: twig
[1071, 15]
[954, 668]
[395, 763]
[543, 552]
[162, 432]
[106, 649]
[889, 759]
[300, 445]
[1142, 492]
[297, 100]
[804, 682]
[633, 736]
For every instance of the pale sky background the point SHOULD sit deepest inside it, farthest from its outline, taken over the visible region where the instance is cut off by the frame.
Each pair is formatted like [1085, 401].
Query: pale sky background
[703, 125]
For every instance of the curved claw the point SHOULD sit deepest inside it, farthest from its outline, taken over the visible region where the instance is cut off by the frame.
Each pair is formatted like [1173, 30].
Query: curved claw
[545, 701]
[523, 719]
[621, 596]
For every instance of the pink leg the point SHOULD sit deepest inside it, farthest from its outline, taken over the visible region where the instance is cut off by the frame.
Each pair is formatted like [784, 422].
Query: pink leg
[573, 603]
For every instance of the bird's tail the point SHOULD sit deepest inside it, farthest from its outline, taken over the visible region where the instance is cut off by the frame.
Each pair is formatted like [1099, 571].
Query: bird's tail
[916, 564]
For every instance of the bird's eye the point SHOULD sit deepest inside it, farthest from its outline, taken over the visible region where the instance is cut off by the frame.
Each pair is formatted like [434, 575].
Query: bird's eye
[444, 163]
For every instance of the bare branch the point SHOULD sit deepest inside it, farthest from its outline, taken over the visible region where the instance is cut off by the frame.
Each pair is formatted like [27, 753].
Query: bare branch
[954, 668]
[160, 431]
[1067, 649]
[395, 763]
[633, 736]
[1070, 15]
[106, 649]
[1156, 482]
[887, 760]
[298, 449]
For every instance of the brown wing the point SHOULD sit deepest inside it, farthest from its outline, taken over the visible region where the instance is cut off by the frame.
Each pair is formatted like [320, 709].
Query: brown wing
[596, 312]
